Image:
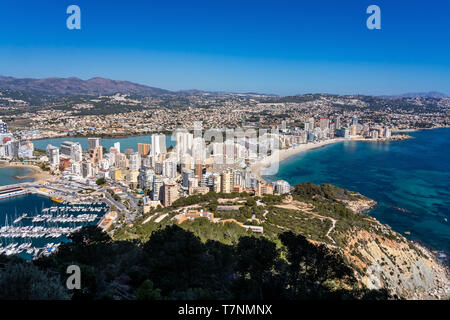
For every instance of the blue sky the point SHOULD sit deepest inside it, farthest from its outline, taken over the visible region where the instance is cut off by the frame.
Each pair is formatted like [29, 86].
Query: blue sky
[282, 47]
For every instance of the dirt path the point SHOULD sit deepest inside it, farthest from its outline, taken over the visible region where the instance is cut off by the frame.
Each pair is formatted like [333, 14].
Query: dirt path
[308, 209]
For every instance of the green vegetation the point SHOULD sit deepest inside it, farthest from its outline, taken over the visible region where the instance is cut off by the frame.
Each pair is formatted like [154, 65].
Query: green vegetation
[281, 220]
[176, 264]
[147, 292]
[308, 191]
[325, 199]
[44, 167]
[20, 280]
[100, 181]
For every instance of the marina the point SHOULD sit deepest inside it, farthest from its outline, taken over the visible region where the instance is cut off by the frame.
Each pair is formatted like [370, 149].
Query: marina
[16, 249]
[36, 232]
[29, 232]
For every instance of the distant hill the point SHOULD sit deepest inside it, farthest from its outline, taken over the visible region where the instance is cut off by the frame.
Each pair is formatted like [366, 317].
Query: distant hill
[431, 94]
[76, 86]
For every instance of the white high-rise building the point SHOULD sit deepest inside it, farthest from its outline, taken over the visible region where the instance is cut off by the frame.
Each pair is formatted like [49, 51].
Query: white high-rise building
[337, 123]
[26, 150]
[135, 161]
[187, 174]
[253, 181]
[226, 181]
[53, 155]
[111, 157]
[86, 169]
[66, 148]
[159, 167]
[311, 121]
[117, 146]
[76, 168]
[158, 144]
[104, 164]
[146, 177]
[309, 126]
[324, 123]
[198, 148]
[170, 168]
[239, 178]
[157, 185]
[76, 152]
[282, 186]
[388, 133]
[93, 143]
[184, 142]
[147, 162]
[193, 183]
[9, 149]
[2, 151]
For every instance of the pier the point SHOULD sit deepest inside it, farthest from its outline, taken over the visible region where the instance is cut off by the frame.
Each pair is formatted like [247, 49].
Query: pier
[12, 192]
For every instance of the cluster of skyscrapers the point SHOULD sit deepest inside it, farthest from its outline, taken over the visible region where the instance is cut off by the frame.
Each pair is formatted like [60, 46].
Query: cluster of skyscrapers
[326, 128]
[12, 148]
[191, 167]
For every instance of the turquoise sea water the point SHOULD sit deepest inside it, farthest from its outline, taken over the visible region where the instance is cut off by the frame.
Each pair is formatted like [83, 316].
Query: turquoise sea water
[125, 143]
[7, 175]
[412, 174]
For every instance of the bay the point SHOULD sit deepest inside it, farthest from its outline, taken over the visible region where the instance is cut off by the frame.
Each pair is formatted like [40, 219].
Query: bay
[8, 175]
[413, 175]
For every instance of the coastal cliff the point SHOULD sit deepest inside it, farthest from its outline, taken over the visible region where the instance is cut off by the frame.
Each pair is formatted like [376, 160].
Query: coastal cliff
[380, 257]
[383, 259]
[387, 260]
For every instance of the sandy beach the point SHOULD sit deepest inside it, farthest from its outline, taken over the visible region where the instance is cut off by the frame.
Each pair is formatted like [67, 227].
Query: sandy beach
[36, 172]
[269, 165]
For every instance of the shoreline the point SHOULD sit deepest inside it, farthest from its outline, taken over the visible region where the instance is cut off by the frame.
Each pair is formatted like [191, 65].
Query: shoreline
[36, 172]
[259, 166]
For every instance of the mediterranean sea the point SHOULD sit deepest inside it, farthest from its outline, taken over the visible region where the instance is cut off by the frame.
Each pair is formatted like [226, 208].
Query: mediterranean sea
[409, 179]
[8, 175]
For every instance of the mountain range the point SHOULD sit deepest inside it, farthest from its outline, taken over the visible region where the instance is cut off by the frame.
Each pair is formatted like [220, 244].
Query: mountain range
[76, 86]
[102, 86]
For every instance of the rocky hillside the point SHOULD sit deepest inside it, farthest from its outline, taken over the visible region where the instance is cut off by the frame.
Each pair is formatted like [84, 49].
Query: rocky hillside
[381, 257]
[385, 259]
